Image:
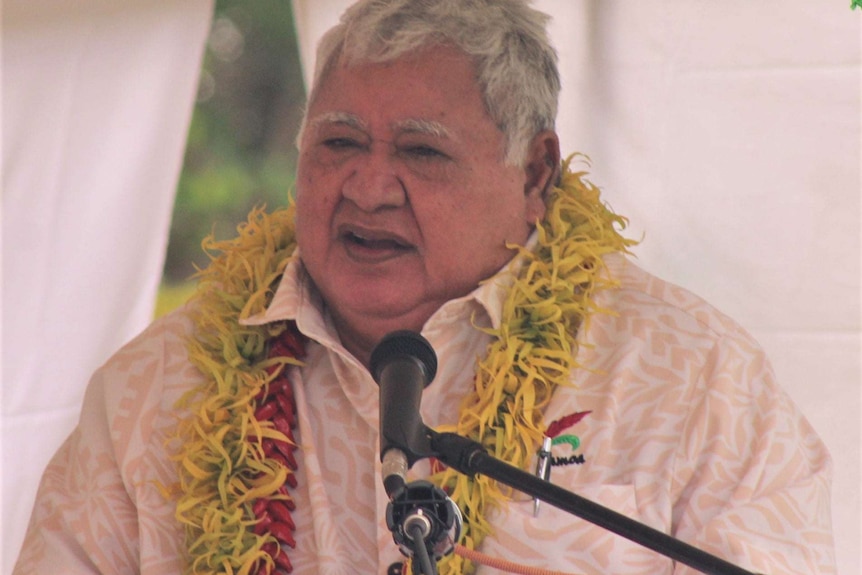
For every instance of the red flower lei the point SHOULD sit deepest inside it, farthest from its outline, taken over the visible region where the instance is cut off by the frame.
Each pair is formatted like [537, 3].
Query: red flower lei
[276, 403]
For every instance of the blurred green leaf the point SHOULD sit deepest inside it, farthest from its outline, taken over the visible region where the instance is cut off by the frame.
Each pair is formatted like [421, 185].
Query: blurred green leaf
[240, 151]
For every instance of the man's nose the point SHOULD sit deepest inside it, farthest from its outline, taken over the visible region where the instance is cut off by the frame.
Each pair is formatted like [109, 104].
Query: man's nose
[375, 183]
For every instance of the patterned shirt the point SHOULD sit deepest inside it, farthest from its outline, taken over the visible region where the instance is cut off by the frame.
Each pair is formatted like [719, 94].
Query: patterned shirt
[687, 432]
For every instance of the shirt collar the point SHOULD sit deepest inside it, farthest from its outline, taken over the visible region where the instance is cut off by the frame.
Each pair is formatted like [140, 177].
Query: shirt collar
[297, 299]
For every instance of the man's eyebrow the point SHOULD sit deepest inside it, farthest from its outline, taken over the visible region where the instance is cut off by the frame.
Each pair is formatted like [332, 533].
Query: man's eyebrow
[420, 126]
[409, 126]
[343, 118]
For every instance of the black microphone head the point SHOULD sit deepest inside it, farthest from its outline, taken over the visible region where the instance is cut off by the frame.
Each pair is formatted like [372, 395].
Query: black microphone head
[404, 344]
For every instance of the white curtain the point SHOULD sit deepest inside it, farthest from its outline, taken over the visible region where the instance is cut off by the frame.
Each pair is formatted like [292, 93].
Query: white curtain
[97, 97]
[729, 134]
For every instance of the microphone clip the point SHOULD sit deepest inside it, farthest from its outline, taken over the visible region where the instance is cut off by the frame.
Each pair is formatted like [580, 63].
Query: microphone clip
[422, 514]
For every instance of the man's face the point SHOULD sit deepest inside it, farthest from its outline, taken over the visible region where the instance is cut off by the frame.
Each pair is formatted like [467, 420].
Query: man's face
[403, 199]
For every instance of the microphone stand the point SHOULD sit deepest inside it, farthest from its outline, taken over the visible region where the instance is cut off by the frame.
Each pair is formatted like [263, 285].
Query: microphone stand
[469, 457]
[403, 363]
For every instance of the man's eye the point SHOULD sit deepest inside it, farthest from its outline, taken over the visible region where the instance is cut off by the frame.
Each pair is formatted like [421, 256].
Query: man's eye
[426, 152]
[340, 143]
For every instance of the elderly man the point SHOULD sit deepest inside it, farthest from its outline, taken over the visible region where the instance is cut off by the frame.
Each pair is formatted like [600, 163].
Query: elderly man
[240, 434]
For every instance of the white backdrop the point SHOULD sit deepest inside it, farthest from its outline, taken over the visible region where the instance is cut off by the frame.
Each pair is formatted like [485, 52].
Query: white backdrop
[728, 132]
[97, 97]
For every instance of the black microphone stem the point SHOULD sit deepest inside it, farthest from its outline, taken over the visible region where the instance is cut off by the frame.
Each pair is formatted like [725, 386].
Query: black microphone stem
[470, 458]
[422, 564]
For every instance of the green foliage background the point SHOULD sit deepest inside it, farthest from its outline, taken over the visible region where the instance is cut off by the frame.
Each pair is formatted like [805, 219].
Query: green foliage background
[241, 149]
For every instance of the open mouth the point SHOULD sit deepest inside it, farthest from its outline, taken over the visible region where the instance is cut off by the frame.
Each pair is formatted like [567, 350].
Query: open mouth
[376, 243]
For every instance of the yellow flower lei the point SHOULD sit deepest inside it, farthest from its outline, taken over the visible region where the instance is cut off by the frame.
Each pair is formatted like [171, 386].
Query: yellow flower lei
[223, 469]
[535, 349]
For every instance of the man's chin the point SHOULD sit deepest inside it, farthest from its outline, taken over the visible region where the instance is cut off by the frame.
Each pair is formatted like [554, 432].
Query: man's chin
[384, 310]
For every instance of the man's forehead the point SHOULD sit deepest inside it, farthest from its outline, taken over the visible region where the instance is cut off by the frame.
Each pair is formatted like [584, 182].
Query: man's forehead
[406, 125]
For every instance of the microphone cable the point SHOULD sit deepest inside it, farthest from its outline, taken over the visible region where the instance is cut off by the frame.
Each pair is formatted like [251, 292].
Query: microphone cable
[503, 564]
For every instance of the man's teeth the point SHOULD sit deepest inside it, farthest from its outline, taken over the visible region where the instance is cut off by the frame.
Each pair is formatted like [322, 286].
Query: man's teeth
[359, 239]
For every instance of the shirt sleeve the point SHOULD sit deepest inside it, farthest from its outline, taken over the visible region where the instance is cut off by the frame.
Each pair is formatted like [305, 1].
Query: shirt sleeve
[752, 478]
[102, 505]
[84, 520]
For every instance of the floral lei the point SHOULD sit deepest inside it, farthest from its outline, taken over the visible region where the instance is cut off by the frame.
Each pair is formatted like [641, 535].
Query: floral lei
[235, 447]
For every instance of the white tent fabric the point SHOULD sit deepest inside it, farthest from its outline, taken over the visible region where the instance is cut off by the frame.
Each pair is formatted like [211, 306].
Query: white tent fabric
[97, 97]
[728, 132]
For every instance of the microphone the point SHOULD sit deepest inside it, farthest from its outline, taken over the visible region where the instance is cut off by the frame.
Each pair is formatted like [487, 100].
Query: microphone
[402, 364]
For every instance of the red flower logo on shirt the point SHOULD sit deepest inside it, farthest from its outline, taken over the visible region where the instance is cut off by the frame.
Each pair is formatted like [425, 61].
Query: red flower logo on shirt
[555, 432]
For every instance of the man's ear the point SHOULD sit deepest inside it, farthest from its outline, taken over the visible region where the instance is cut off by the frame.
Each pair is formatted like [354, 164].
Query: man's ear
[542, 169]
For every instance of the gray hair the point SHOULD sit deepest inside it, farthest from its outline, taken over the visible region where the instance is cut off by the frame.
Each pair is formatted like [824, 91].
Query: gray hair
[516, 66]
